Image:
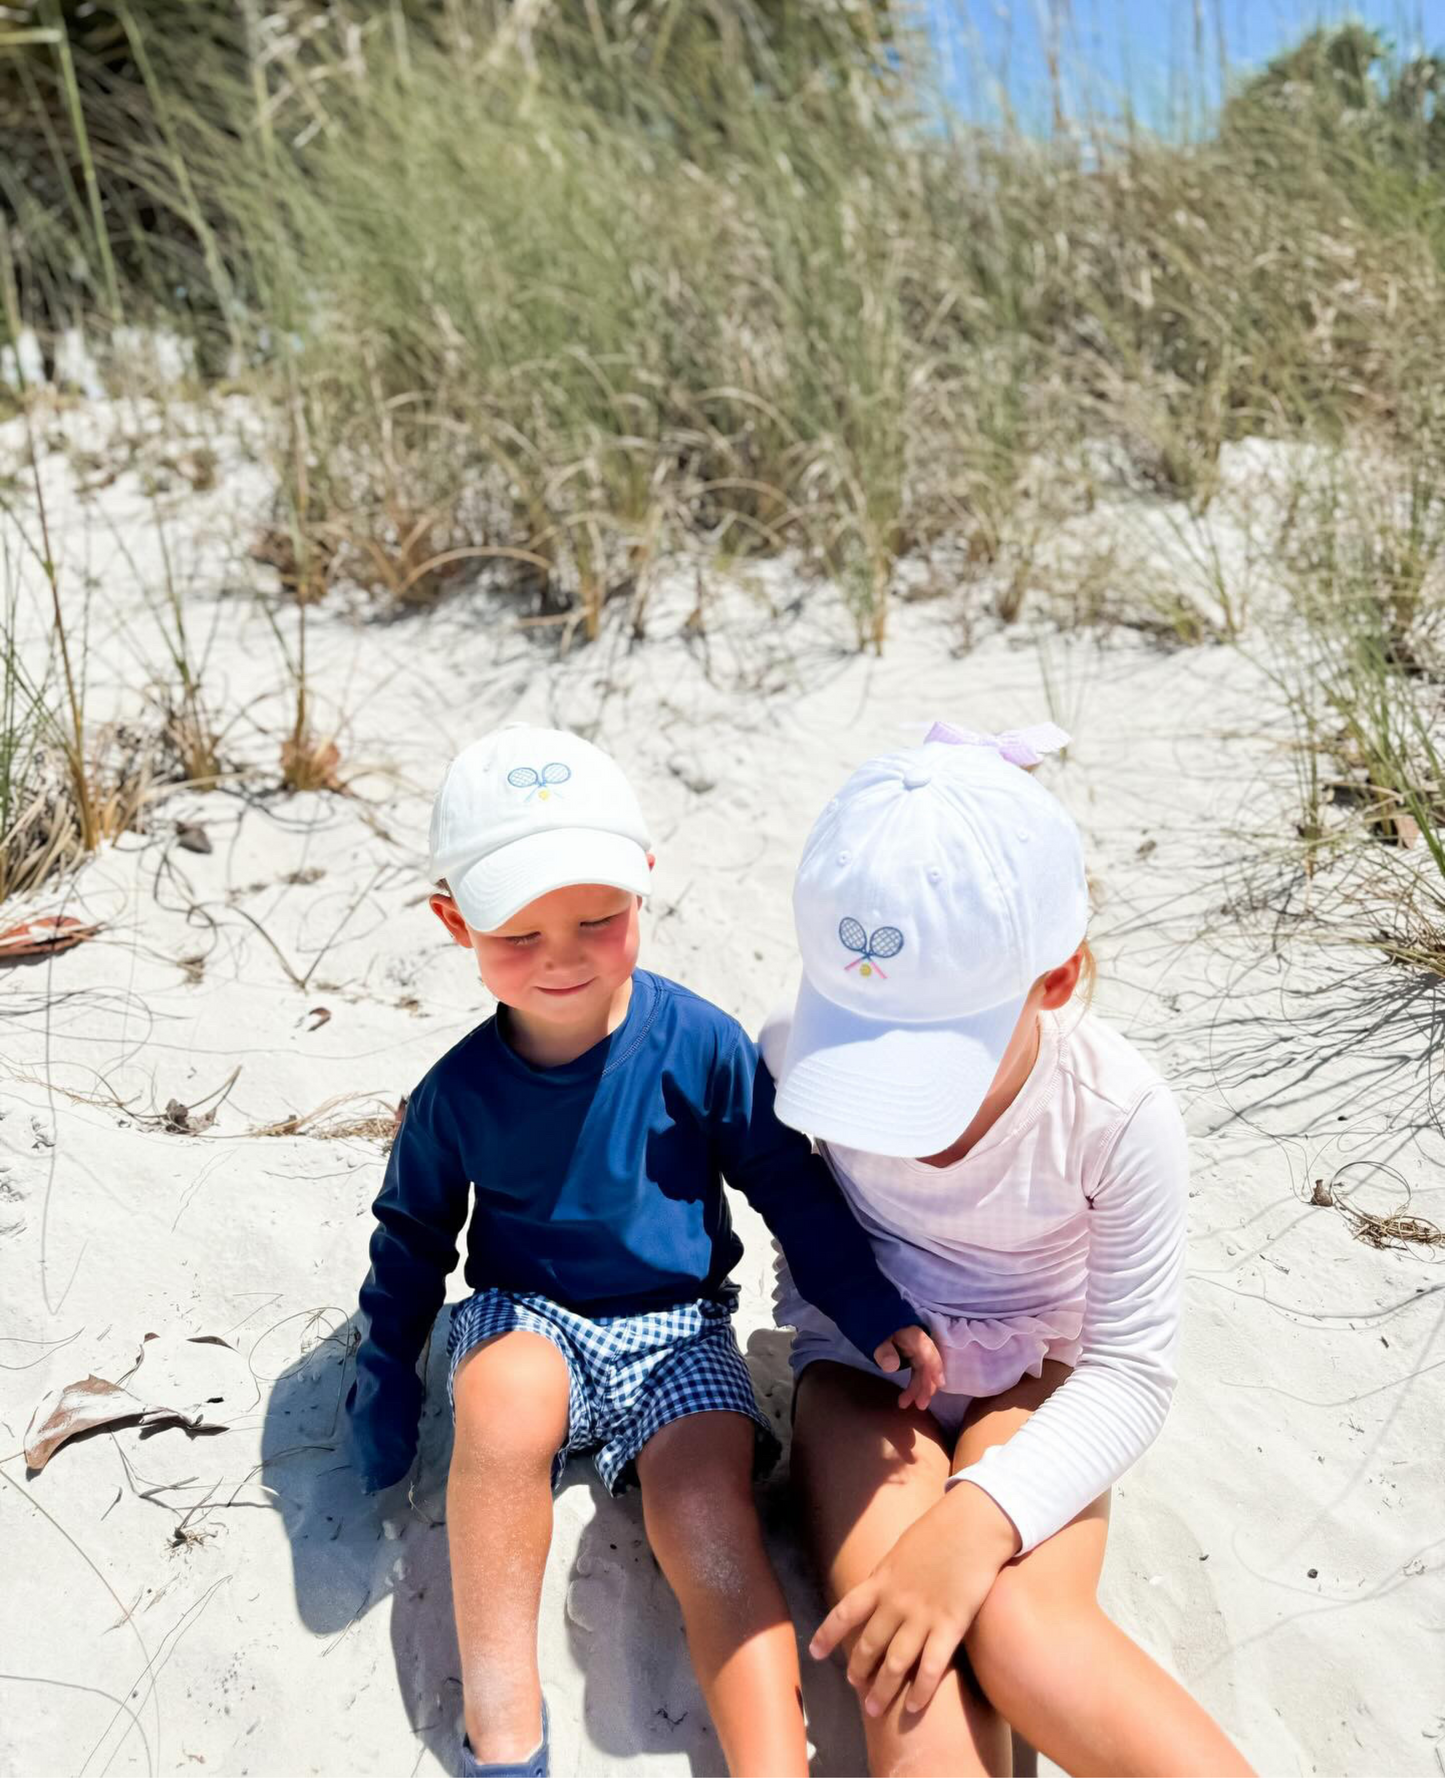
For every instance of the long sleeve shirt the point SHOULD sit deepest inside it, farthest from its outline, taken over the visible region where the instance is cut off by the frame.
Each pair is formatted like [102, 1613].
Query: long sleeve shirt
[1060, 1234]
[597, 1184]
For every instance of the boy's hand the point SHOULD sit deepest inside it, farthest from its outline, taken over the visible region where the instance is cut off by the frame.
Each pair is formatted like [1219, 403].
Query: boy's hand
[913, 1611]
[913, 1347]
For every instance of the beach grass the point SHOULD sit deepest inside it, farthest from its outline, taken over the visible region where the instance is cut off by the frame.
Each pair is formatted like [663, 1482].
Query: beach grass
[539, 300]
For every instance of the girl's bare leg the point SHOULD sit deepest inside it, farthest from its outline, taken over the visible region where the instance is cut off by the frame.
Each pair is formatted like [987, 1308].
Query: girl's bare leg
[511, 1419]
[1066, 1677]
[702, 1522]
[866, 1469]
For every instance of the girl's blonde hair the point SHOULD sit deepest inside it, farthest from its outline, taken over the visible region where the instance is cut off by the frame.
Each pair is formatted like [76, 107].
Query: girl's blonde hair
[1088, 972]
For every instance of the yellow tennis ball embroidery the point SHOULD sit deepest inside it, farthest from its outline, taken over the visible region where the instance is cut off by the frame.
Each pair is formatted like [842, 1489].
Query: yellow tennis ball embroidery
[867, 947]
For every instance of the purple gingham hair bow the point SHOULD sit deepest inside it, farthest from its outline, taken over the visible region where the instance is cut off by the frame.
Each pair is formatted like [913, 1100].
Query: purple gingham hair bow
[1024, 747]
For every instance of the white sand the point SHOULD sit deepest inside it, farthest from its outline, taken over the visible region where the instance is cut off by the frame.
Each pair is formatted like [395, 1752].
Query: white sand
[1279, 1548]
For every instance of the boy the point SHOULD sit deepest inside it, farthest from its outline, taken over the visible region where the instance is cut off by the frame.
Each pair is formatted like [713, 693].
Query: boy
[594, 1117]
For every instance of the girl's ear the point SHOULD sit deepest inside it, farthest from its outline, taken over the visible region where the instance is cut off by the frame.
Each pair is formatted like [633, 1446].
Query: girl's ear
[450, 915]
[1059, 984]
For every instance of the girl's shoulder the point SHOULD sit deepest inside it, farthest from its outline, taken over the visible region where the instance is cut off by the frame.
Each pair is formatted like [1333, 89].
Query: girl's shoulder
[1101, 1063]
[1126, 1105]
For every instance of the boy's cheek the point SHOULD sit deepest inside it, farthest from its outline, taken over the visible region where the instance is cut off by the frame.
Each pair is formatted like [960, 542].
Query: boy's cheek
[500, 976]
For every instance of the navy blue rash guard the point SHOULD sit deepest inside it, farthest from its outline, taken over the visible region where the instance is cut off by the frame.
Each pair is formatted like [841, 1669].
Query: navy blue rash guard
[598, 1184]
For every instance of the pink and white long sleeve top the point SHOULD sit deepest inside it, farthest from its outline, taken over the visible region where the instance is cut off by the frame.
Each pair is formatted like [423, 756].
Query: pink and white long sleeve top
[1060, 1235]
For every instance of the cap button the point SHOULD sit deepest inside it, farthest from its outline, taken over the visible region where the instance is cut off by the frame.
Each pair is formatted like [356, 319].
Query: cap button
[916, 777]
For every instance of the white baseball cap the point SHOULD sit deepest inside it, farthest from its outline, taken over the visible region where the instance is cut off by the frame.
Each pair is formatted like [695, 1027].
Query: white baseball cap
[528, 810]
[935, 889]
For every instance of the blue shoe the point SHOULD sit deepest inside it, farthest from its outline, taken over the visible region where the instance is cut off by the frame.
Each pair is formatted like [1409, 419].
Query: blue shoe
[536, 1764]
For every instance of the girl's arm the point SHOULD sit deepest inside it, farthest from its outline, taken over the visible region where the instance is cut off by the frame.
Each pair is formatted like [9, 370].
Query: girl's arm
[1104, 1417]
[916, 1606]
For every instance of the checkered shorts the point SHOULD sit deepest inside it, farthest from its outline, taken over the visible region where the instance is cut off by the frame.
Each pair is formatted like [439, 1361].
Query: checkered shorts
[628, 1376]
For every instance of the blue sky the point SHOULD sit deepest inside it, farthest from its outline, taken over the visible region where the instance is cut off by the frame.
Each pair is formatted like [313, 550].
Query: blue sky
[1162, 57]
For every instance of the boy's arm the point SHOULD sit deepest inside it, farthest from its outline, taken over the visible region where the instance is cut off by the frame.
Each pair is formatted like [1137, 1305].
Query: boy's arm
[419, 1211]
[827, 1250]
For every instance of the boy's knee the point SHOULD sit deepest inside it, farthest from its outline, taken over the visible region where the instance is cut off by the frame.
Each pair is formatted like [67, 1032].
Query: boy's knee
[511, 1404]
[701, 1515]
[699, 1465]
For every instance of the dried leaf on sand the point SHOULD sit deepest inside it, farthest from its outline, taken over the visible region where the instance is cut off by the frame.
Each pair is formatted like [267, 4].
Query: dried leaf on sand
[180, 1120]
[84, 1405]
[39, 937]
[201, 1383]
[192, 837]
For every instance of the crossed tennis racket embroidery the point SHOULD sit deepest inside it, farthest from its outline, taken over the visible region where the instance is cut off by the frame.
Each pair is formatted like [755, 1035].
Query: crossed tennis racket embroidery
[540, 785]
[883, 941]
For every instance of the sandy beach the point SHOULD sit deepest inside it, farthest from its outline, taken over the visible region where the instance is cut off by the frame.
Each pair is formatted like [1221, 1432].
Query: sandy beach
[220, 1597]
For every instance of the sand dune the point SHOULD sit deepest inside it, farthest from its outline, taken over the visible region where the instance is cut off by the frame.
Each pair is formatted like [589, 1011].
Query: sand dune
[227, 1600]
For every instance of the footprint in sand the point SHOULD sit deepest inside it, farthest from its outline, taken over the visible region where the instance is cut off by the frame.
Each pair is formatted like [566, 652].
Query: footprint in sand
[592, 1596]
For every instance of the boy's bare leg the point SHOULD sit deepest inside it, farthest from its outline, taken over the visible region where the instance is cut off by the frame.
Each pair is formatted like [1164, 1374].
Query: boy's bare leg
[1062, 1673]
[702, 1521]
[865, 1469]
[511, 1419]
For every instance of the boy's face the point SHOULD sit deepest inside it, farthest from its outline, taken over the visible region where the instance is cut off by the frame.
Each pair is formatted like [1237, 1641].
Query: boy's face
[562, 958]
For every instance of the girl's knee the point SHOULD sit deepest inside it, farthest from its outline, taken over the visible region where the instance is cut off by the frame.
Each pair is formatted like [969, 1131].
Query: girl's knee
[1022, 1626]
[1003, 1628]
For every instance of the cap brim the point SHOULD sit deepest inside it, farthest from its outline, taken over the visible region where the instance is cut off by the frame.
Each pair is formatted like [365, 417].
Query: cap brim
[883, 1088]
[499, 885]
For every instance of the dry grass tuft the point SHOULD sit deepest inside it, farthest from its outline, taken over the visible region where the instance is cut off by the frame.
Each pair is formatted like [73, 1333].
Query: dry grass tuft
[1396, 1229]
[310, 763]
[305, 572]
[322, 1123]
[51, 825]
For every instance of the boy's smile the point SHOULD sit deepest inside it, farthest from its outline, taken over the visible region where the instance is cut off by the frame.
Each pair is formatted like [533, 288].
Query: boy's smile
[562, 965]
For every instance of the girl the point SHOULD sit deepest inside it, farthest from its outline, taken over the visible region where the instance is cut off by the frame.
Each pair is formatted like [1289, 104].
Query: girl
[1022, 1178]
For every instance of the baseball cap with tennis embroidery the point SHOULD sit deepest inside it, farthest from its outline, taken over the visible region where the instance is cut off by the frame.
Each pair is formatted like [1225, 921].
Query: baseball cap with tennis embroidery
[528, 810]
[934, 890]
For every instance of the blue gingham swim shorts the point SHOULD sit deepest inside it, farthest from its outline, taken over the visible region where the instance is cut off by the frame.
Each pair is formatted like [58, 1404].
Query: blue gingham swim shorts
[628, 1376]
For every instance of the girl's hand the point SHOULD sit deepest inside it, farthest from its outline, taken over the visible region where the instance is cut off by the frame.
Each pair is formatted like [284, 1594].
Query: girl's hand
[915, 1607]
[913, 1347]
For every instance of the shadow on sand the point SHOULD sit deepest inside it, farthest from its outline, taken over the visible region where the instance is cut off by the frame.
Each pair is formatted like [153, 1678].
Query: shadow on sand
[639, 1697]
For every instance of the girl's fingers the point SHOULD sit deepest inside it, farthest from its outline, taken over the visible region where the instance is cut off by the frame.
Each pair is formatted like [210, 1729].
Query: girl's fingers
[852, 1609]
[935, 1661]
[913, 1347]
[897, 1664]
[907, 1397]
[920, 1390]
[872, 1645]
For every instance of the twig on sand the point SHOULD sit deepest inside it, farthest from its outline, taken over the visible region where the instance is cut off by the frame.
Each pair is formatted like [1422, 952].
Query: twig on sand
[176, 1118]
[70, 1685]
[301, 981]
[156, 1662]
[1389, 1229]
[30, 1499]
[49, 1345]
[342, 1632]
[381, 1125]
